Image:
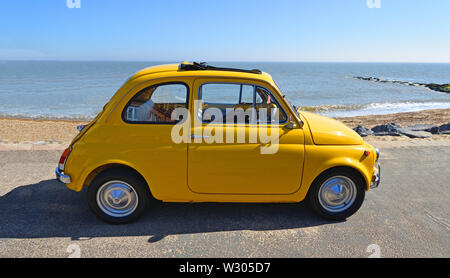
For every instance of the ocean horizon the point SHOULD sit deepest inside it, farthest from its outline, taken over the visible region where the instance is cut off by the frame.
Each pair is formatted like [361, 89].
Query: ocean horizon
[77, 90]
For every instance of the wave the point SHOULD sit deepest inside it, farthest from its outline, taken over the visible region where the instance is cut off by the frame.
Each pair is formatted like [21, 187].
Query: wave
[374, 108]
[74, 118]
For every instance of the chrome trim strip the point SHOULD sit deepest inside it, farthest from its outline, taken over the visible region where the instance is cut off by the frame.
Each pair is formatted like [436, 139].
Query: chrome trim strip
[193, 136]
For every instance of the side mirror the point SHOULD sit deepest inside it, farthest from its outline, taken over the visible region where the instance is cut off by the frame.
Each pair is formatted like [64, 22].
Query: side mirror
[291, 124]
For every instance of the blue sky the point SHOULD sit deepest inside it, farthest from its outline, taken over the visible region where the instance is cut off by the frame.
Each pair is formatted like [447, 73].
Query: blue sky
[245, 30]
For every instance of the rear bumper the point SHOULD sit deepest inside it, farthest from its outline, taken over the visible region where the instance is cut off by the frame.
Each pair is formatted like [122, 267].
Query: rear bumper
[61, 177]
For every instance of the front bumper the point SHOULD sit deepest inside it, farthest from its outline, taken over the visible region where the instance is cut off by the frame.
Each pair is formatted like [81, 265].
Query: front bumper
[376, 172]
[61, 177]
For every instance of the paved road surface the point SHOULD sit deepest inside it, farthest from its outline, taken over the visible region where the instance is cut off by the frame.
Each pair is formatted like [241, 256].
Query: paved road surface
[408, 216]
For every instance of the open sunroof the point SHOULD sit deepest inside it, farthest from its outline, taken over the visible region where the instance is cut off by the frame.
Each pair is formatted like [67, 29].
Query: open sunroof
[203, 66]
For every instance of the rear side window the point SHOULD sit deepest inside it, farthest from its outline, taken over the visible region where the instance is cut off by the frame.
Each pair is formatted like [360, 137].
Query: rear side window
[155, 104]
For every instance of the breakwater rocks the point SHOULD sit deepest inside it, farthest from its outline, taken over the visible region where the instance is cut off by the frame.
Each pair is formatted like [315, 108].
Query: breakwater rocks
[415, 131]
[444, 88]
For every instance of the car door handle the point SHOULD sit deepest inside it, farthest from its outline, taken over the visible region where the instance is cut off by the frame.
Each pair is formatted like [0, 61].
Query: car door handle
[198, 136]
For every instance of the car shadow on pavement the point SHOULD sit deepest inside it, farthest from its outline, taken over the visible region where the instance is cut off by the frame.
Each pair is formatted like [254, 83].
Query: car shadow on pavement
[49, 209]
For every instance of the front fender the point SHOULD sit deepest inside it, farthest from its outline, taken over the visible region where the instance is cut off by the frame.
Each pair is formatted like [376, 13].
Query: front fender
[321, 158]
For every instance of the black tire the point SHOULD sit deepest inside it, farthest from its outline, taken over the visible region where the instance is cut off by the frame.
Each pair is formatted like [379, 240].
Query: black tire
[314, 192]
[137, 184]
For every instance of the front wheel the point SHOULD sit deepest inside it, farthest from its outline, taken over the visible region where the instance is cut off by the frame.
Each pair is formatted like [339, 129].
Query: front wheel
[337, 194]
[117, 196]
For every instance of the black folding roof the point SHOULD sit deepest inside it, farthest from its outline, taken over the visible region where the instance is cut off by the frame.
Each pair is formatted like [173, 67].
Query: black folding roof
[205, 66]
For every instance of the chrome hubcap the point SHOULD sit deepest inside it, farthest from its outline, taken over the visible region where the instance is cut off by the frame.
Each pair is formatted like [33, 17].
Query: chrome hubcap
[337, 194]
[117, 198]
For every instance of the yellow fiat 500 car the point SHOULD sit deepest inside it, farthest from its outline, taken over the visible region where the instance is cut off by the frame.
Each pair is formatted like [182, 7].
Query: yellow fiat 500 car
[191, 132]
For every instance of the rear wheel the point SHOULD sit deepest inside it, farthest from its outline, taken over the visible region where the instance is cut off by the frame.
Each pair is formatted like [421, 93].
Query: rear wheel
[337, 194]
[118, 196]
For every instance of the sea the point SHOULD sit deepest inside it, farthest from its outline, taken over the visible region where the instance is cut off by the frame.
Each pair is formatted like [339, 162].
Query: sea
[79, 90]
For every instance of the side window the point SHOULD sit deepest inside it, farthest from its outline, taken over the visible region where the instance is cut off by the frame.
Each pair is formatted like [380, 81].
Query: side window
[221, 100]
[247, 95]
[269, 109]
[155, 104]
[234, 103]
[222, 94]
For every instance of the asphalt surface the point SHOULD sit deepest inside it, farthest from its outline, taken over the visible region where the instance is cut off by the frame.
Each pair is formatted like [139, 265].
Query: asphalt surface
[408, 216]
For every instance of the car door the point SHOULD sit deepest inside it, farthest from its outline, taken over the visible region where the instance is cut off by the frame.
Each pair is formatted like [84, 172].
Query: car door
[233, 165]
[145, 140]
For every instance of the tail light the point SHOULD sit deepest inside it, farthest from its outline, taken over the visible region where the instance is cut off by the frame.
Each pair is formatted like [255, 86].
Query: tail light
[63, 159]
